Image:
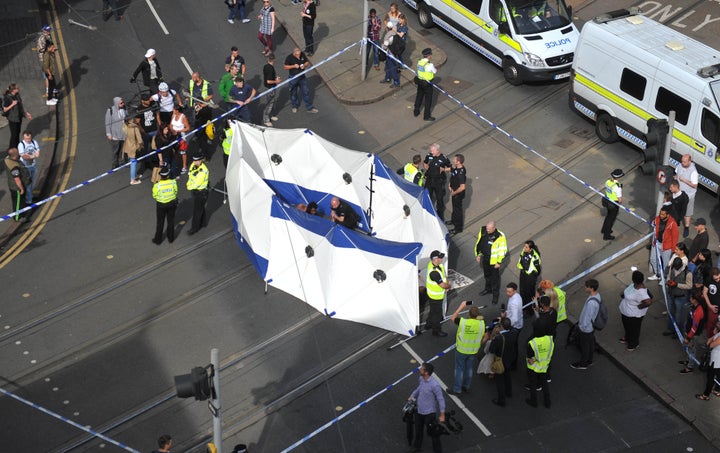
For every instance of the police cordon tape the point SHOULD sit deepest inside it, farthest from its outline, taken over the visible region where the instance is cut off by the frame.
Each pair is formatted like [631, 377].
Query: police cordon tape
[320, 63]
[67, 420]
[175, 142]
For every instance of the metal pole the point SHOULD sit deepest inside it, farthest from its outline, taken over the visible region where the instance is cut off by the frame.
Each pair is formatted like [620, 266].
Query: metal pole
[217, 417]
[363, 45]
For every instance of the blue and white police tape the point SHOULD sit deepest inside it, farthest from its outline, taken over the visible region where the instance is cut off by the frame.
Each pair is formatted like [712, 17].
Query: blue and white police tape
[67, 420]
[515, 139]
[175, 142]
[364, 402]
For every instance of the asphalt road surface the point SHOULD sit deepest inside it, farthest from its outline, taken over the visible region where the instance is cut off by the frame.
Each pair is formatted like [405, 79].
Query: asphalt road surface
[97, 320]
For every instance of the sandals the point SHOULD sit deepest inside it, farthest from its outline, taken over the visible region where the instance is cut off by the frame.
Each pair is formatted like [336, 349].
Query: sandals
[702, 397]
[716, 393]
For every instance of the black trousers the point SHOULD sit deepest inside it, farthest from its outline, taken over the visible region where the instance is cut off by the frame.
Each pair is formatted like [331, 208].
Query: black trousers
[612, 213]
[424, 93]
[536, 380]
[435, 315]
[503, 384]
[199, 199]
[527, 286]
[17, 202]
[587, 347]
[421, 423]
[632, 330]
[458, 218]
[492, 278]
[14, 133]
[163, 211]
[712, 374]
[308, 35]
[436, 190]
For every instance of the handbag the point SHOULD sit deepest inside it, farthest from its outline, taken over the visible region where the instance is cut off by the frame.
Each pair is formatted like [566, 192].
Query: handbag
[497, 366]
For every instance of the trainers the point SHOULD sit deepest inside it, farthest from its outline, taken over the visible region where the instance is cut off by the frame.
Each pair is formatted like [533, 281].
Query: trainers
[51, 101]
[134, 182]
[274, 118]
[578, 366]
[231, 21]
[183, 171]
[294, 109]
[654, 277]
[313, 110]
[245, 21]
[622, 340]
[268, 123]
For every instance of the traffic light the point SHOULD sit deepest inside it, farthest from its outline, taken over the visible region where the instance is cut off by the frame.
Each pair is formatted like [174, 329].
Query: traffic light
[196, 384]
[655, 140]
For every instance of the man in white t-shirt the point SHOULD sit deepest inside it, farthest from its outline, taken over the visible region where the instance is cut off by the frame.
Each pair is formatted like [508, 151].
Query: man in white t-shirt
[687, 176]
[29, 153]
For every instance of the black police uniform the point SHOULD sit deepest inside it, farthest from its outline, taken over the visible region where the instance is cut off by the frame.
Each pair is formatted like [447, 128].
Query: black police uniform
[457, 178]
[435, 181]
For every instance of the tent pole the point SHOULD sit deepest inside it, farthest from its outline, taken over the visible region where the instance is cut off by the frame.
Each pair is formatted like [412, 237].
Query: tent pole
[370, 209]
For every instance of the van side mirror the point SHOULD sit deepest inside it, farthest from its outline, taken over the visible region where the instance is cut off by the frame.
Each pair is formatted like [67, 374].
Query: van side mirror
[504, 28]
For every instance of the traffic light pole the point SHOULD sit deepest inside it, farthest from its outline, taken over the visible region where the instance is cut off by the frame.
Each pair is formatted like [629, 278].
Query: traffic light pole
[215, 410]
[660, 187]
[363, 43]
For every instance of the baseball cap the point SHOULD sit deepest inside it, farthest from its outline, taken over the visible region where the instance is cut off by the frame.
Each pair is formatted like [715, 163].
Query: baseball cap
[46, 27]
[437, 254]
[699, 221]
[163, 86]
[149, 53]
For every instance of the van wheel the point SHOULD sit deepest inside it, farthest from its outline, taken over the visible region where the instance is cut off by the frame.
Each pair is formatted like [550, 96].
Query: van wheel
[511, 72]
[424, 15]
[605, 128]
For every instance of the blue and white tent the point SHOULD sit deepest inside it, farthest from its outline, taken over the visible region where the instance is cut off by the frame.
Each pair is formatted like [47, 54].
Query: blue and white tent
[367, 275]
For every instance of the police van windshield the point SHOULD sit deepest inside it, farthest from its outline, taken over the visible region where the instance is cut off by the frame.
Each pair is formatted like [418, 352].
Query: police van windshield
[535, 16]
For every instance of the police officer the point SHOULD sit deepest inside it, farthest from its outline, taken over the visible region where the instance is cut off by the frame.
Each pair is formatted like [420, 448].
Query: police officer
[436, 165]
[490, 251]
[227, 141]
[197, 184]
[412, 171]
[458, 177]
[425, 74]
[467, 344]
[613, 192]
[539, 354]
[436, 284]
[165, 194]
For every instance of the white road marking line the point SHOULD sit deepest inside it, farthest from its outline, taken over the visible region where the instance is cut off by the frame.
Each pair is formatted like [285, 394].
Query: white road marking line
[187, 66]
[157, 18]
[457, 400]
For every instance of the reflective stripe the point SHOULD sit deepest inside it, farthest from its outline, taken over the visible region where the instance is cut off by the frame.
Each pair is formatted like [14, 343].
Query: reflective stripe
[435, 291]
[203, 93]
[410, 171]
[543, 348]
[498, 250]
[534, 262]
[561, 312]
[469, 335]
[228, 141]
[165, 191]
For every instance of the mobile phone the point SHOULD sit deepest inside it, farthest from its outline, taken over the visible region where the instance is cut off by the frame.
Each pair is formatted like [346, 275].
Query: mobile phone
[468, 302]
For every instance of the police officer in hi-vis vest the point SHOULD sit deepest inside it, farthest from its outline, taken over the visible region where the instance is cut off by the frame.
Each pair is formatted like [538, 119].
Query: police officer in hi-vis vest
[436, 283]
[165, 194]
[197, 184]
[613, 192]
[425, 74]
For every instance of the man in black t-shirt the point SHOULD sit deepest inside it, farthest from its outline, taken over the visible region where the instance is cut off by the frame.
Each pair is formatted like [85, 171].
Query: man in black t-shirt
[458, 178]
[295, 63]
[271, 80]
[342, 213]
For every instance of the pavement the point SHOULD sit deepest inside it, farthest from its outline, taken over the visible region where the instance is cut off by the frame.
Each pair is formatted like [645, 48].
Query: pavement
[653, 364]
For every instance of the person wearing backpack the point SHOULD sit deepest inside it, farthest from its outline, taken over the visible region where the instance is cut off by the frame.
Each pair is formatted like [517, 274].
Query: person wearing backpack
[679, 282]
[586, 325]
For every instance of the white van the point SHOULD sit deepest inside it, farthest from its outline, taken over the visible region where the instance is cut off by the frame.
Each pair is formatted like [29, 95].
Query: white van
[629, 68]
[536, 43]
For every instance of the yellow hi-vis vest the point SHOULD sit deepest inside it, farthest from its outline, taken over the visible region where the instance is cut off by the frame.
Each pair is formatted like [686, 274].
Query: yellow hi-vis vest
[534, 262]
[610, 185]
[435, 291]
[469, 335]
[411, 171]
[543, 348]
[203, 93]
[562, 311]
[498, 249]
[228, 141]
[421, 72]
[198, 177]
[165, 191]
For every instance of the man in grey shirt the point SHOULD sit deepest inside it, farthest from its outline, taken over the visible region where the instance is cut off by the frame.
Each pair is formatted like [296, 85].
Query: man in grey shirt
[430, 400]
[585, 324]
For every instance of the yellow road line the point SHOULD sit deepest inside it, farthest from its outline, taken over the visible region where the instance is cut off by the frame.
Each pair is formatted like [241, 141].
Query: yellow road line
[66, 157]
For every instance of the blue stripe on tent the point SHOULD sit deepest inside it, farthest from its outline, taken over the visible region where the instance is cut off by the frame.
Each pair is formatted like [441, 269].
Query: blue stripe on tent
[340, 236]
[259, 263]
[416, 191]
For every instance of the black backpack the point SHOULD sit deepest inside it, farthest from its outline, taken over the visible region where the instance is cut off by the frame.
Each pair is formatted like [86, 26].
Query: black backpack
[397, 46]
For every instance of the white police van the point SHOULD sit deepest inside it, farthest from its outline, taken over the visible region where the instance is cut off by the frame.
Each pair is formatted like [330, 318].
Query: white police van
[629, 68]
[531, 40]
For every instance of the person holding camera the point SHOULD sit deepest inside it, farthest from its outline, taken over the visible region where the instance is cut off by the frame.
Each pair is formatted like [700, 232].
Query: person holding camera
[467, 344]
[430, 401]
